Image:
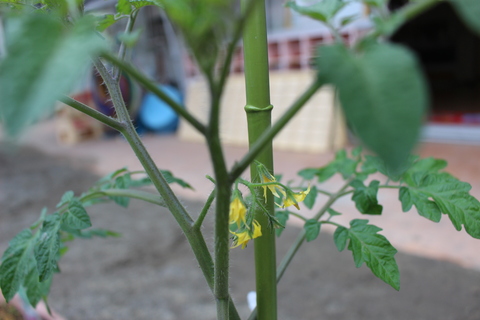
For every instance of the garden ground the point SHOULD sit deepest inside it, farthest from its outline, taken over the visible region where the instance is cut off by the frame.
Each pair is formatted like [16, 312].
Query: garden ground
[150, 273]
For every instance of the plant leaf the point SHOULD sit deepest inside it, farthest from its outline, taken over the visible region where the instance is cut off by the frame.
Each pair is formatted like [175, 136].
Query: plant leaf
[76, 217]
[469, 11]
[168, 175]
[16, 261]
[383, 95]
[312, 229]
[44, 60]
[372, 248]
[449, 194]
[311, 197]
[323, 11]
[282, 217]
[47, 247]
[365, 198]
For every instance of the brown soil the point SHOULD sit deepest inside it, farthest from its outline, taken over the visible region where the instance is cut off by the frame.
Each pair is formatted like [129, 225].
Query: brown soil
[150, 272]
[9, 313]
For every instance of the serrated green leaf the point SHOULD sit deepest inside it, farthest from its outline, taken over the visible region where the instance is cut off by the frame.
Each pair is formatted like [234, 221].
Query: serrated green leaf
[333, 212]
[168, 175]
[469, 11]
[124, 7]
[137, 4]
[323, 11]
[326, 172]
[308, 173]
[67, 197]
[451, 196]
[365, 198]
[34, 289]
[425, 207]
[108, 20]
[90, 233]
[374, 249]
[122, 182]
[76, 217]
[340, 237]
[309, 200]
[383, 95]
[47, 247]
[282, 217]
[312, 229]
[44, 60]
[16, 261]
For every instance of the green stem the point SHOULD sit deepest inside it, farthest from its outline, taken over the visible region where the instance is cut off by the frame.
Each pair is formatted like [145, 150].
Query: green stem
[270, 133]
[223, 186]
[152, 87]
[287, 258]
[194, 236]
[205, 209]
[258, 111]
[297, 215]
[237, 34]
[123, 48]
[135, 194]
[112, 123]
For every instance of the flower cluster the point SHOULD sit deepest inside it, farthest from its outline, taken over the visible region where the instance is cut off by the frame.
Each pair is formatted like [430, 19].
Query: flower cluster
[244, 231]
[290, 198]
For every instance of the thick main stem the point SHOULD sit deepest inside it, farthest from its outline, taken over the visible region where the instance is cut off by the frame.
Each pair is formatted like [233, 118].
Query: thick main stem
[186, 223]
[258, 110]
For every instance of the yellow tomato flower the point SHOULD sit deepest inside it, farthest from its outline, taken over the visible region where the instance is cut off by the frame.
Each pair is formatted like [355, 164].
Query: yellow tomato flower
[237, 211]
[273, 188]
[243, 237]
[295, 198]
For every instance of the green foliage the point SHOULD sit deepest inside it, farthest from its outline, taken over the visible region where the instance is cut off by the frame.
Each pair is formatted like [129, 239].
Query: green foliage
[76, 217]
[282, 218]
[16, 263]
[365, 198]
[312, 229]
[469, 11]
[47, 247]
[311, 197]
[44, 66]
[342, 164]
[370, 247]
[384, 102]
[323, 11]
[432, 193]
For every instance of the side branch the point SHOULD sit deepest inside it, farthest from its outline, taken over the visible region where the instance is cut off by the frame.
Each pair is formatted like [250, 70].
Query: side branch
[152, 87]
[111, 122]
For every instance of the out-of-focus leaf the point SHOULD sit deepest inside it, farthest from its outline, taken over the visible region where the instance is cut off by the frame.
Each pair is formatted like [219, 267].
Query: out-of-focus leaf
[16, 262]
[383, 95]
[469, 11]
[44, 60]
[323, 11]
[312, 229]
